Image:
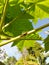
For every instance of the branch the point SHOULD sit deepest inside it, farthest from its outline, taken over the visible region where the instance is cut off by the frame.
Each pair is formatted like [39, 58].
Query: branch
[4, 13]
[24, 34]
[9, 23]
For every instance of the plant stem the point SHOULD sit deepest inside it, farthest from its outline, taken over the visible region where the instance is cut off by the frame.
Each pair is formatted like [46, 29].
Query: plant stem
[9, 23]
[24, 34]
[4, 14]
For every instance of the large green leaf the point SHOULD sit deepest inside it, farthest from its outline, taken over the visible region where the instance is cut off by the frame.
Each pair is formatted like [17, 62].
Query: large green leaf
[46, 41]
[17, 12]
[25, 44]
[18, 27]
[37, 8]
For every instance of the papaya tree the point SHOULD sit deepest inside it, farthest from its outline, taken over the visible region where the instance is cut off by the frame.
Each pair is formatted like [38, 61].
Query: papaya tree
[16, 18]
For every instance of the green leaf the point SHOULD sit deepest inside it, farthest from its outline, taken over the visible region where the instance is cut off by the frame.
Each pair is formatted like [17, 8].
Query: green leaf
[13, 11]
[46, 41]
[33, 37]
[20, 44]
[18, 26]
[25, 44]
[17, 12]
[44, 8]
[38, 8]
[25, 15]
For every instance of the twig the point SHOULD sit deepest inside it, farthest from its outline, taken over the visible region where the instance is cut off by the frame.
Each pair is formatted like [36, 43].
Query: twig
[9, 23]
[4, 13]
[22, 35]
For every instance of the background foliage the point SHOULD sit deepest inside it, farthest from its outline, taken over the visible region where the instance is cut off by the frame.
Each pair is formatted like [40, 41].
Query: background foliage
[16, 18]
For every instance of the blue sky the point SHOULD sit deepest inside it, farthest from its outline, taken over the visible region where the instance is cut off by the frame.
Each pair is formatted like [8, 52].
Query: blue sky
[40, 23]
[14, 51]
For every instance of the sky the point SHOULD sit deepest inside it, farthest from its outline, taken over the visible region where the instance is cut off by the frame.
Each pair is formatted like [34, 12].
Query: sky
[13, 51]
[40, 23]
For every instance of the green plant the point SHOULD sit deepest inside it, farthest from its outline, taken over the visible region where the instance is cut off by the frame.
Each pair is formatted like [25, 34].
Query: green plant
[15, 25]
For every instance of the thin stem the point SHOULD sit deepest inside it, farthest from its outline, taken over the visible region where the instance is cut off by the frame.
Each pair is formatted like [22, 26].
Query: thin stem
[8, 23]
[22, 35]
[4, 13]
[20, 39]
